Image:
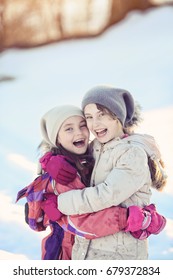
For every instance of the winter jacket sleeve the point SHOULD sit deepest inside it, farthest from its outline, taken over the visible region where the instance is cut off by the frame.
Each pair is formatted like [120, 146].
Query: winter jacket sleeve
[95, 225]
[127, 177]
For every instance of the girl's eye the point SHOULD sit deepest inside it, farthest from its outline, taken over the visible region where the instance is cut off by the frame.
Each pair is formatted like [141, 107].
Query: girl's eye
[83, 125]
[101, 114]
[88, 117]
[69, 129]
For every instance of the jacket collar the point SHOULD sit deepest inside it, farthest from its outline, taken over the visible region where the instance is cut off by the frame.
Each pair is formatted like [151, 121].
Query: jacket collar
[147, 142]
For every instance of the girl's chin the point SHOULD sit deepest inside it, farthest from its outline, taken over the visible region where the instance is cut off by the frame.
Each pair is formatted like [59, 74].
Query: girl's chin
[101, 137]
[104, 140]
[80, 151]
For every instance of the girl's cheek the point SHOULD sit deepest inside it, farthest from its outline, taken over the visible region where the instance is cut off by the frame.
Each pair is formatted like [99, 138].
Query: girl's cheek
[89, 125]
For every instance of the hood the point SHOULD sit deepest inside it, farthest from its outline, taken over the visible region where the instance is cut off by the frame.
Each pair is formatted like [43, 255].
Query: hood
[147, 142]
[156, 165]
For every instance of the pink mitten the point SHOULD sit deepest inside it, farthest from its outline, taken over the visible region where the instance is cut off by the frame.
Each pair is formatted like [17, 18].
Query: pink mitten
[156, 225]
[58, 168]
[137, 219]
[50, 207]
[45, 159]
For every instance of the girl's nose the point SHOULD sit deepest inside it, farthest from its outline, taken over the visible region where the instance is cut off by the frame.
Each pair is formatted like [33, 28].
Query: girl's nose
[95, 122]
[78, 131]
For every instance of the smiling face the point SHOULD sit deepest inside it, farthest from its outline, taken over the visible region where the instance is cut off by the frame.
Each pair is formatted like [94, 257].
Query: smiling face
[103, 126]
[74, 135]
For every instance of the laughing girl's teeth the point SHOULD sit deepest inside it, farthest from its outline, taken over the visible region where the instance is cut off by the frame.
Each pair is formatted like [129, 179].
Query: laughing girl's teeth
[101, 132]
[79, 143]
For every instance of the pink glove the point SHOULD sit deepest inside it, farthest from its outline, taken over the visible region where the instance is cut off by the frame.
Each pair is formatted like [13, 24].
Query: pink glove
[58, 168]
[156, 225]
[50, 207]
[138, 219]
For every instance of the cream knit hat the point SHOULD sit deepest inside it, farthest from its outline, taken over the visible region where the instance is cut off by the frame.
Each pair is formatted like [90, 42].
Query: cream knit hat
[54, 118]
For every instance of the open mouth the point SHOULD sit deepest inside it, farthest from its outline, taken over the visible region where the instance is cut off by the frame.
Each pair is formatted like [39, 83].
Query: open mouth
[79, 143]
[101, 133]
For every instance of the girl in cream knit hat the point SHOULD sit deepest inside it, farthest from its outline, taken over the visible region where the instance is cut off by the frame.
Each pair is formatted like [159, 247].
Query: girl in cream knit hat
[67, 139]
[68, 165]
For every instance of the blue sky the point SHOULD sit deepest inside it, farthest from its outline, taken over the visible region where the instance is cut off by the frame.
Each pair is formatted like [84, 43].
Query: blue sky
[136, 54]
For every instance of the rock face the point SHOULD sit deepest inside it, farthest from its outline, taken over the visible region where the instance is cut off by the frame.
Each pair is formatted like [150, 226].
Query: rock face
[31, 23]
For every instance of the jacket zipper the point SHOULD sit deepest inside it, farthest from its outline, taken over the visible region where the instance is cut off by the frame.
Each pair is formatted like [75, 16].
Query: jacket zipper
[94, 173]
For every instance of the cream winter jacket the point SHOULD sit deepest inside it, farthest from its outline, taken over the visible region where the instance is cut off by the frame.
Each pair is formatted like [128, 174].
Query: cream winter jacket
[121, 176]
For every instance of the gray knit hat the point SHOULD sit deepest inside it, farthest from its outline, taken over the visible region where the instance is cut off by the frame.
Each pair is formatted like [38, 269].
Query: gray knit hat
[51, 122]
[118, 101]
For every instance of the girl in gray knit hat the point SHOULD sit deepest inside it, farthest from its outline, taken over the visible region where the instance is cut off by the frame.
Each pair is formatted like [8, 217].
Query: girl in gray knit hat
[65, 141]
[121, 175]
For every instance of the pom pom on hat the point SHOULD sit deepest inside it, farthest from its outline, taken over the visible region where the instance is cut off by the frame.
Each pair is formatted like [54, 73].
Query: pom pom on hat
[118, 101]
[51, 122]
